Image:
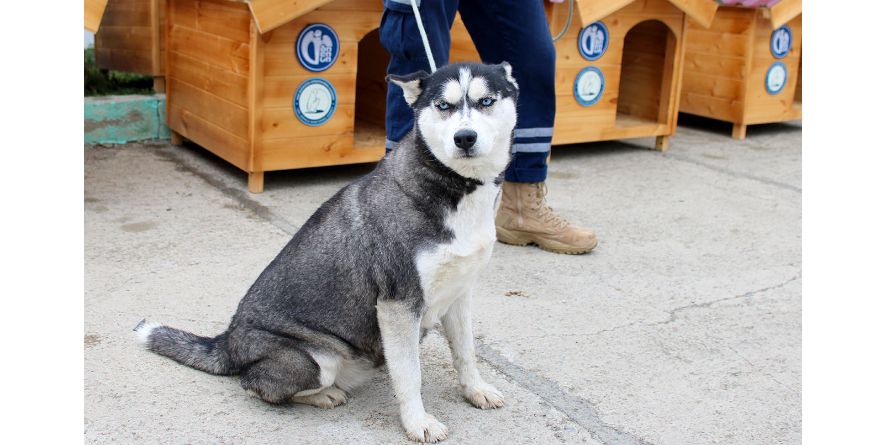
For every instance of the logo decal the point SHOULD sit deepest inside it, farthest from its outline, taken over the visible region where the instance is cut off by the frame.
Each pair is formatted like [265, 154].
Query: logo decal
[314, 102]
[589, 85]
[317, 47]
[593, 41]
[776, 78]
[781, 41]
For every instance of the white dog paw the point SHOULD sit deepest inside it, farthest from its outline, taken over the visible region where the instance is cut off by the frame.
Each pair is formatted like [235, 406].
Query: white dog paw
[484, 396]
[328, 398]
[427, 430]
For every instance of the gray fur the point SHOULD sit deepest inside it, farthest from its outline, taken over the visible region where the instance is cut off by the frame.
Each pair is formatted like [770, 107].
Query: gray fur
[358, 249]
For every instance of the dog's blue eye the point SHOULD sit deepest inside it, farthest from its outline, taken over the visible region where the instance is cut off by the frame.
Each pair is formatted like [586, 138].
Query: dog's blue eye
[443, 105]
[487, 101]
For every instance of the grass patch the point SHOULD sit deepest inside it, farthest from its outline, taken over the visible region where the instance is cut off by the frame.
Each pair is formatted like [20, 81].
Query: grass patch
[98, 82]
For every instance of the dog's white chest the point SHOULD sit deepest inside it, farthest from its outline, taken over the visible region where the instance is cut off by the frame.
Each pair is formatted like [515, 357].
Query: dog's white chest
[449, 270]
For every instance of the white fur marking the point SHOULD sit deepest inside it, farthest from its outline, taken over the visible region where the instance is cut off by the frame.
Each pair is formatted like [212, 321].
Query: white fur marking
[477, 89]
[452, 92]
[143, 333]
[449, 271]
[330, 364]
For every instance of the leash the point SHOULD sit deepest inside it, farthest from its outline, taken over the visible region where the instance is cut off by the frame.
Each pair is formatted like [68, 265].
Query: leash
[568, 22]
[424, 35]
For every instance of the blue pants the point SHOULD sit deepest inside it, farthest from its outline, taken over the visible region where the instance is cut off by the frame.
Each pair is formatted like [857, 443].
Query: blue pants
[502, 30]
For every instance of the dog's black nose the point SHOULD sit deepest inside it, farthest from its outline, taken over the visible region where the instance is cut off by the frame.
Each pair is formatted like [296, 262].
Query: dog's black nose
[465, 139]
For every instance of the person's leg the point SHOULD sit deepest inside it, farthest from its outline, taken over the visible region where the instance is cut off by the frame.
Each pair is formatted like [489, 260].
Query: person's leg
[517, 32]
[399, 35]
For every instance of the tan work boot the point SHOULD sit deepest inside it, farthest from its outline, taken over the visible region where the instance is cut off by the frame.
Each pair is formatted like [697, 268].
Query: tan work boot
[524, 218]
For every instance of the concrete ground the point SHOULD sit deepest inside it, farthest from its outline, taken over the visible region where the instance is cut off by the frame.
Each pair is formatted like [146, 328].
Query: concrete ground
[682, 327]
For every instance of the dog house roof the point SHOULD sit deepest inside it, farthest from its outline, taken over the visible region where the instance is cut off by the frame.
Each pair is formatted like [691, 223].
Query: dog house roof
[780, 11]
[702, 11]
[93, 10]
[270, 14]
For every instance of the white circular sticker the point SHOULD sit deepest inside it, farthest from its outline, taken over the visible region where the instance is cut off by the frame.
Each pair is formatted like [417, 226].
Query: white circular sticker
[589, 85]
[776, 78]
[314, 102]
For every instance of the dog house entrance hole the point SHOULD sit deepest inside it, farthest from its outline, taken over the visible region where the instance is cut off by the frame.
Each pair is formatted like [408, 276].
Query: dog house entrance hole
[369, 114]
[647, 70]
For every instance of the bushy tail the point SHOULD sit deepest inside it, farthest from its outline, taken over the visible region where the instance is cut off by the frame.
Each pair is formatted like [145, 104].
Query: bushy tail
[203, 353]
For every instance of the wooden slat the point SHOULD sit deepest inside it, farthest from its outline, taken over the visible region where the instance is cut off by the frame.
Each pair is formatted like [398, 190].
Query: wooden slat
[222, 52]
[123, 60]
[228, 115]
[127, 13]
[713, 107]
[125, 37]
[715, 86]
[723, 66]
[280, 60]
[317, 151]
[224, 18]
[281, 123]
[218, 81]
[279, 91]
[716, 43]
[218, 140]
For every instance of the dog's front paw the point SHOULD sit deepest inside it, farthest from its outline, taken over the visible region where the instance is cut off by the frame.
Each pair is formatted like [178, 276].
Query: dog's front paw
[426, 429]
[484, 396]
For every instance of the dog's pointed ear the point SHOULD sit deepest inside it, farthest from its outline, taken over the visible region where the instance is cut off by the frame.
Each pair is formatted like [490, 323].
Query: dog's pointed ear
[506, 67]
[412, 84]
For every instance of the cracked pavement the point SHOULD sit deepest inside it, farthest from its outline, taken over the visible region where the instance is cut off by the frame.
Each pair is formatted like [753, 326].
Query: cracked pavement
[682, 327]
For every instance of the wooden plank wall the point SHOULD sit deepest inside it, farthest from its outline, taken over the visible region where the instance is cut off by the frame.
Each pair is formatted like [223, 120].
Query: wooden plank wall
[125, 41]
[760, 106]
[207, 79]
[288, 143]
[716, 66]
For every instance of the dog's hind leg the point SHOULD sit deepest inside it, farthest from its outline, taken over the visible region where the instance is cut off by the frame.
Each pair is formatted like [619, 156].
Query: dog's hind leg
[291, 374]
[457, 323]
[400, 332]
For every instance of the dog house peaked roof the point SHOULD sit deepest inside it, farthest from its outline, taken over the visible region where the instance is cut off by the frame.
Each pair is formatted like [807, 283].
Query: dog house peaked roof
[702, 11]
[780, 11]
[270, 14]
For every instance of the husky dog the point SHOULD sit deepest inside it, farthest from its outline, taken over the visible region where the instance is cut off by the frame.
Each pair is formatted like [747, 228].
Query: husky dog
[381, 262]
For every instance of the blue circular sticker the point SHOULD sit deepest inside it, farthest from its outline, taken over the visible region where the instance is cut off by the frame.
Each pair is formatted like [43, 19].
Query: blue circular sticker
[593, 41]
[776, 78]
[589, 85]
[314, 101]
[317, 47]
[781, 41]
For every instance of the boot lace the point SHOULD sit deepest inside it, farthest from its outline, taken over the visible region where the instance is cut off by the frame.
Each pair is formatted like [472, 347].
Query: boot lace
[545, 212]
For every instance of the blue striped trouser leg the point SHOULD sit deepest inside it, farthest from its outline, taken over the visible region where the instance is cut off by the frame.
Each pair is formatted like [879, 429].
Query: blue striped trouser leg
[517, 31]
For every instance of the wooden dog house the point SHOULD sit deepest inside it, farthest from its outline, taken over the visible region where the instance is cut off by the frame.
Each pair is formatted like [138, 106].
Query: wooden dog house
[745, 69]
[618, 66]
[270, 85]
[130, 37]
